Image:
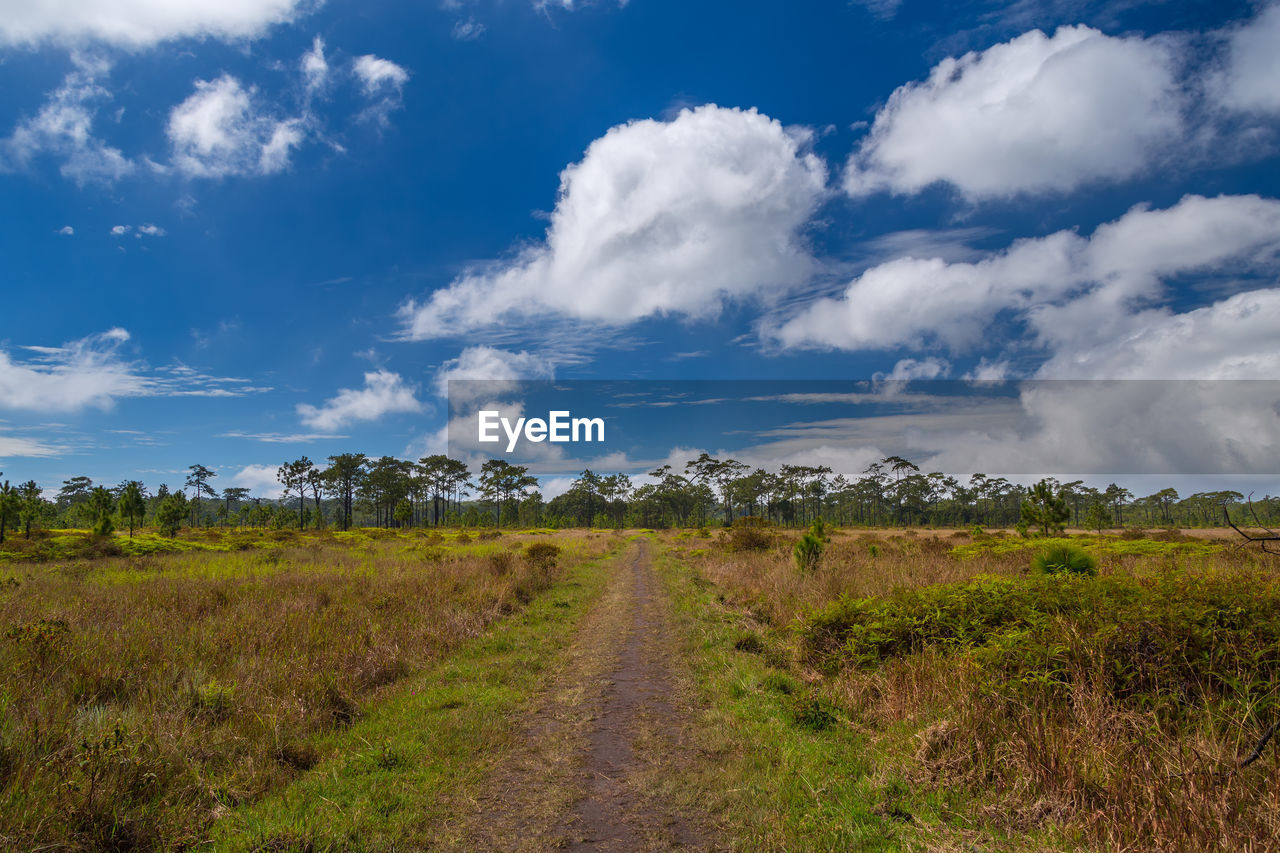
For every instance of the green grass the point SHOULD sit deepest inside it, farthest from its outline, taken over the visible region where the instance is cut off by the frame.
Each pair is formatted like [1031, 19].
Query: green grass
[394, 778]
[786, 770]
[1097, 545]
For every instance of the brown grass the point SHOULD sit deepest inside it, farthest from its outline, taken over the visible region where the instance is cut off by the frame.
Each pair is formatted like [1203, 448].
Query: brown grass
[141, 697]
[1080, 767]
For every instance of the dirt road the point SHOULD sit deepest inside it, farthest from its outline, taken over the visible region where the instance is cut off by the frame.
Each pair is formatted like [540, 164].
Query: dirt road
[583, 775]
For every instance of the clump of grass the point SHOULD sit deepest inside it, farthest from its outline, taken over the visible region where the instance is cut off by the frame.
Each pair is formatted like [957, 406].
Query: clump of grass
[1065, 559]
[815, 713]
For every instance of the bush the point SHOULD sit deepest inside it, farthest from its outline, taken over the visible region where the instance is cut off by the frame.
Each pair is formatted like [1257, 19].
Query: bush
[749, 533]
[1170, 642]
[808, 553]
[1064, 560]
[542, 556]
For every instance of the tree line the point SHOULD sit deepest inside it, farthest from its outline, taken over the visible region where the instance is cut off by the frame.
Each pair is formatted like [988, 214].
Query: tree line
[354, 490]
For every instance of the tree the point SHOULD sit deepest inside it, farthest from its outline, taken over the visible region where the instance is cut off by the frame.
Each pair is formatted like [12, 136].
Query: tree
[342, 478]
[293, 476]
[31, 505]
[199, 479]
[133, 504]
[170, 512]
[1044, 508]
[8, 501]
[1097, 518]
[102, 507]
[234, 494]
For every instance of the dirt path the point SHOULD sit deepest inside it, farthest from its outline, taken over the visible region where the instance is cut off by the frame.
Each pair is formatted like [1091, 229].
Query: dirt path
[582, 776]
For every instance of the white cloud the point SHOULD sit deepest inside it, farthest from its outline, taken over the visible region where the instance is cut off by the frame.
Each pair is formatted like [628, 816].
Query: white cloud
[66, 231]
[149, 230]
[1235, 338]
[1076, 297]
[382, 82]
[1250, 80]
[498, 368]
[315, 68]
[379, 75]
[910, 369]
[79, 374]
[284, 438]
[261, 480]
[218, 131]
[1034, 114]
[12, 445]
[140, 23]
[383, 393]
[91, 373]
[468, 30]
[659, 218]
[63, 129]
[120, 230]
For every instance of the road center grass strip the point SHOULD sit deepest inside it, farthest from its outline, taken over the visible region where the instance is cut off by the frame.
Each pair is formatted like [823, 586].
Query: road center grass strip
[397, 778]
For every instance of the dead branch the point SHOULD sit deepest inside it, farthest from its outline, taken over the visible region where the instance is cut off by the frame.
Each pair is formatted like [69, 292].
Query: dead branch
[1262, 539]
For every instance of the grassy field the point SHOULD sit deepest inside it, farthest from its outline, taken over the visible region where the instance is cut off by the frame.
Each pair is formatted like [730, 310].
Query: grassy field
[926, 690]
[916, 690]
[143, 697]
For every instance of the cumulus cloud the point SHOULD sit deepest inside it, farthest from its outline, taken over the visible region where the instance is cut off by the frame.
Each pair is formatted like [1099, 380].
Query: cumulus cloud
[383, 393]
[500, 369]
[66, 231]
[140, 23]
[659, 218]
[1094, 303]
[1250, 80]
[63, 129]
[1037, 113]
[218, 131]
[260, 480]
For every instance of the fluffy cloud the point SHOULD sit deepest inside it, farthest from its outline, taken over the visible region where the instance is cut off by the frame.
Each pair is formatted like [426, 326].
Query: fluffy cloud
[383, 393]
[659, 218]
[500, 369]
[1038, 113]
[382, 82]
[378, 75]
[1250, 80]
[218, 131]
[63, 129]
[261, 480]
[1094, 302]
[139, 23]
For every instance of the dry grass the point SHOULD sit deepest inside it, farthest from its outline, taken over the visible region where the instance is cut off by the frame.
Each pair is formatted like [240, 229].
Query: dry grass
[140, 697]
[1066, 761]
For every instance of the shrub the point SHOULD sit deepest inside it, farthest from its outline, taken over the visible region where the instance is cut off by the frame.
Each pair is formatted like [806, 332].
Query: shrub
[750, 533]
[815, 713]
[808, 553]
[463, 537]
[542, 555]
[1064, 559]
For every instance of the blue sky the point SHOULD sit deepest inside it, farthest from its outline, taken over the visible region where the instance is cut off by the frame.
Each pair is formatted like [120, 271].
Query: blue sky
[236, 232]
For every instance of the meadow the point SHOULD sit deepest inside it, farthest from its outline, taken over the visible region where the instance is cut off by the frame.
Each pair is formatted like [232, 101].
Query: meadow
[974, 703]
[149, 687]
[907, 689]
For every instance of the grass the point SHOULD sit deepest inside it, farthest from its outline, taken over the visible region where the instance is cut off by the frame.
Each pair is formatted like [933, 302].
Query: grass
[965, 701]
[144, 697]
[394, 779]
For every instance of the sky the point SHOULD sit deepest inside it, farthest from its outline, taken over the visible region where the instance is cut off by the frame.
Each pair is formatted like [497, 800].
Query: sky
[240, 231]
